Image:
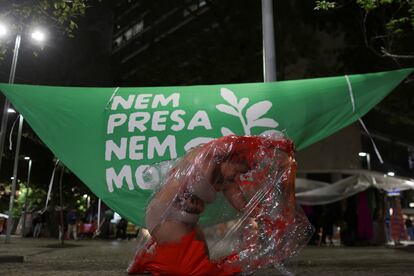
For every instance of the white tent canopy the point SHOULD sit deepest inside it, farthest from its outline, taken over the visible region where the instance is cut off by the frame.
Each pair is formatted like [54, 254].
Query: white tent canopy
[311, 192]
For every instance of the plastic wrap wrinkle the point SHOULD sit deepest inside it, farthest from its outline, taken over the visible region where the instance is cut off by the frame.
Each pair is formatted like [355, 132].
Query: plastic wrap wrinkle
[254, 176]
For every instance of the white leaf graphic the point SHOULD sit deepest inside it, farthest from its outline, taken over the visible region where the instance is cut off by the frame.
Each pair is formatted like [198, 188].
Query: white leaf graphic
[225, 131]
[243, 102]
[257, 110]
[270, 132]
[229, 96]
[227, 109]
[197, 141]
[265, 122]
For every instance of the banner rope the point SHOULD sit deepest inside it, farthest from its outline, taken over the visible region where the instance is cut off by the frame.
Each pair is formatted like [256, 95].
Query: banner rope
[51, 184]
[372, 141]
[11, 132]
[351, 95]
[112, 96]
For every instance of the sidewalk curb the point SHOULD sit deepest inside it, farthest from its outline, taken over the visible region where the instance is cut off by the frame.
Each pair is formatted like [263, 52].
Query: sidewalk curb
[11, 259]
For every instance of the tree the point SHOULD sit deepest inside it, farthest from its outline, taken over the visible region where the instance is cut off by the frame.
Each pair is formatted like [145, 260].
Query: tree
[58, 15]
[35, 199]
[387, 30]
[387, 25]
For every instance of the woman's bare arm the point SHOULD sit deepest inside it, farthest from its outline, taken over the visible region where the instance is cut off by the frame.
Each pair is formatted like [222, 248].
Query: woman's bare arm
[235, 196]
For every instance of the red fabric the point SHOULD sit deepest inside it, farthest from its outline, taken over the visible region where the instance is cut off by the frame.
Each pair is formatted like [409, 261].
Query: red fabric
[398, 231]
[365, 224]
[183, 258]
[87, 228]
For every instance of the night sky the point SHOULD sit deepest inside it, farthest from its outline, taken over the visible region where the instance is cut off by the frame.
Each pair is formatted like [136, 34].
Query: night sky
[80, 61]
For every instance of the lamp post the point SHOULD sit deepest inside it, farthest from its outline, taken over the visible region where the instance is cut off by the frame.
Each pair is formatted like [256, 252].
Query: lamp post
[29, 169]
[269, 53]
[36, 35]
[4, 119]
[13, 190]
[368, 157]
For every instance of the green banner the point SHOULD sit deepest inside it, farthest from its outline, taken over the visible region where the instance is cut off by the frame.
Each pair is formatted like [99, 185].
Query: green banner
[109, 136]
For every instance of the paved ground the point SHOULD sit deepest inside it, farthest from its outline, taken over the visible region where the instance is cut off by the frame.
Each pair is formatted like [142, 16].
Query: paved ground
[96, 257]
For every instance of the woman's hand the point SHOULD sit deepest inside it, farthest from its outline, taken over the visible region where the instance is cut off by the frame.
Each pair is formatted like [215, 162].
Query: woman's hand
[191, 204]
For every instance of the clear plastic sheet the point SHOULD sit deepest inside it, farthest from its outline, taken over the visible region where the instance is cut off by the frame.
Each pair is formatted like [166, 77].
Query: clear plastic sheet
[248, 184]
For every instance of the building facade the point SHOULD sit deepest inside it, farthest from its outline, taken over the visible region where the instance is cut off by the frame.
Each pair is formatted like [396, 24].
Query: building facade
[187, 42]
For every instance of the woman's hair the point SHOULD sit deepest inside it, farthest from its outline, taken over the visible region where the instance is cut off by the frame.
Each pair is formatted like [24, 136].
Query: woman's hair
[245, 149]
[230, 156]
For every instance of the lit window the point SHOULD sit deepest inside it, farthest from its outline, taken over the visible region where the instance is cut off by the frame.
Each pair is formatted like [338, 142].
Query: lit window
[194, 6]
[128, 34]
[118, 41]
[138, 27]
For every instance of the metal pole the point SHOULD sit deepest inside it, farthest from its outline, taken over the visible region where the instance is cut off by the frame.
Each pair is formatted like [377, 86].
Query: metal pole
[99, 213]
[269, 53]
[27, 195]
[15, 167]
[62, 224]
[4, 119]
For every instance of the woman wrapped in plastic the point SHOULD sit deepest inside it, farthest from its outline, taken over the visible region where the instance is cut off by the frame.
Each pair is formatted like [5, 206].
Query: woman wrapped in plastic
[256, 176]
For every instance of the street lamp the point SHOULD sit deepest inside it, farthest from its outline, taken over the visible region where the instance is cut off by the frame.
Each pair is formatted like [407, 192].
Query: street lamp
[37, 36]
[3, 30]
[368, 157]
[88, 200]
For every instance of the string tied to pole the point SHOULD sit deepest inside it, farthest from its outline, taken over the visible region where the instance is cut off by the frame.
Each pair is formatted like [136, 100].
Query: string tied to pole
[351, 95]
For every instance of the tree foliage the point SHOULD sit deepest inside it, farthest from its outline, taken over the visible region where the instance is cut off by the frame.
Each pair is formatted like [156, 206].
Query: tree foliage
[60, 14]
[388, 25]
[57, 16]
[35, 199]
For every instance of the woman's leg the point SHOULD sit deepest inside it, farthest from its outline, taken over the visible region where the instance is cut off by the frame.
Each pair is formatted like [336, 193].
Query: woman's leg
[75, 231]
[170, 231]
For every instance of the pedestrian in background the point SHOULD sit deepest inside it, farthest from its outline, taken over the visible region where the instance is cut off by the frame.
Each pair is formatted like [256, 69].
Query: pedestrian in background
[410, 228]
[37, 225]
[398, 232]
[38, 222]
[121, 228]
[72, 220]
